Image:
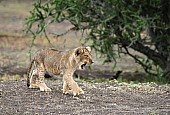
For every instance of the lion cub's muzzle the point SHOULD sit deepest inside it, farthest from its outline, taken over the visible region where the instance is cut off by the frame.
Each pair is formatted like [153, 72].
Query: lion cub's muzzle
[85, 63]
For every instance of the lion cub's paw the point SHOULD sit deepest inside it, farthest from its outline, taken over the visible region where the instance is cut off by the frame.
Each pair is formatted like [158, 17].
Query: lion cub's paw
[74, 92]
[77, 92]
[45, 89]
[81, 91]
[67, 92]
[32, 86]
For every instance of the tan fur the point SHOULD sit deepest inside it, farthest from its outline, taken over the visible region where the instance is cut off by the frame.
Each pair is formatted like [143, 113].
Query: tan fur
[57, 62]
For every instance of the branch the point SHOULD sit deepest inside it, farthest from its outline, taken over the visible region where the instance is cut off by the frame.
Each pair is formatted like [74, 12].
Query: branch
[146, 68]
[67, 31]
[151, 54]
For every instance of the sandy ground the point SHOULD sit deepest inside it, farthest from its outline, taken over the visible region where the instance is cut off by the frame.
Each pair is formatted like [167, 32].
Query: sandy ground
[99, 99]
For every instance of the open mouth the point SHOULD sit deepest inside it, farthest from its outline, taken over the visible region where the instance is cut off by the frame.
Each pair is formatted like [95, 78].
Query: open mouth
[83, 65]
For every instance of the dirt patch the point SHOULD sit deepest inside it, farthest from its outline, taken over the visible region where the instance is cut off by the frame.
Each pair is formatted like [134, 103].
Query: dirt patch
[99, 99]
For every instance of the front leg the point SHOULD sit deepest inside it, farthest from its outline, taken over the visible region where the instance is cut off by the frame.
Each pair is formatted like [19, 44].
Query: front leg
[70, 86]
[66, 89]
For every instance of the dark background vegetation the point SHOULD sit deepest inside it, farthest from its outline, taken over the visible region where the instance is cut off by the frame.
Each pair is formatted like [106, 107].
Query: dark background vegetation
[114, 27]
[15, 45]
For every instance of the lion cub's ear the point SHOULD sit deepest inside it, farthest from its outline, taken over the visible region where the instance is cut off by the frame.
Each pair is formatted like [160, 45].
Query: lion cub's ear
[88, 48]
[78, 52]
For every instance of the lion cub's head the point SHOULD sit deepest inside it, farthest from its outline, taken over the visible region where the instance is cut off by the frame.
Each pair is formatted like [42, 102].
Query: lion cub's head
[83, 56]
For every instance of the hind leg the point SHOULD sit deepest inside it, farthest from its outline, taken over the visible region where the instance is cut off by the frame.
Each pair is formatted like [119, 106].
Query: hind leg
[34, 84]
[33, 79]
[41, 84]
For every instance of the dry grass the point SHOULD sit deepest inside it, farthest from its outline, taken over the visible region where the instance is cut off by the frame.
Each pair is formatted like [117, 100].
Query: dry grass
[7, 77]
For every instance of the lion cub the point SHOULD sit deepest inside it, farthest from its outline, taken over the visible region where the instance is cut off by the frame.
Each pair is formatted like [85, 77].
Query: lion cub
[57, 62]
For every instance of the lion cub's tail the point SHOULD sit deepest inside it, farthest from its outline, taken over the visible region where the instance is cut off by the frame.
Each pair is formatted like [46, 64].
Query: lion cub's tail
[30, 72]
